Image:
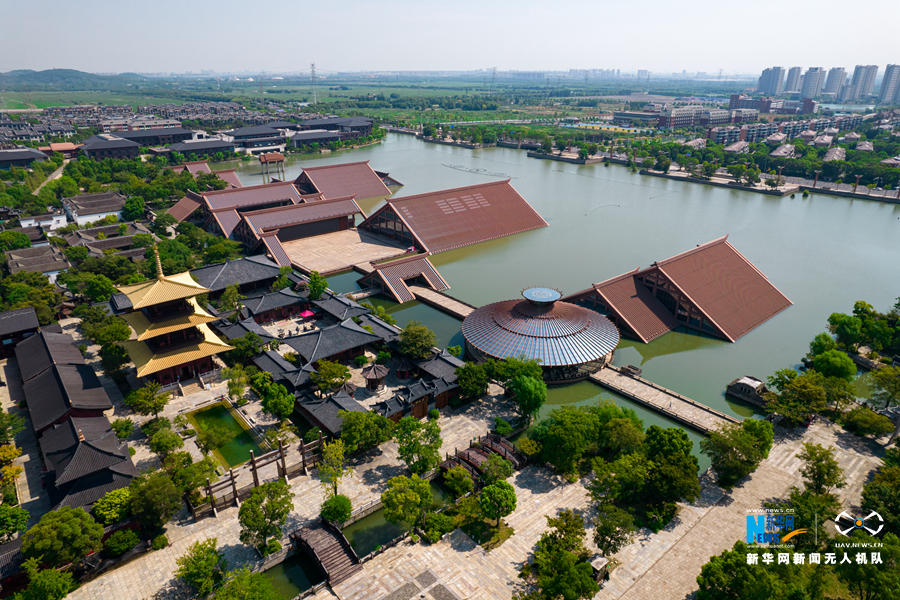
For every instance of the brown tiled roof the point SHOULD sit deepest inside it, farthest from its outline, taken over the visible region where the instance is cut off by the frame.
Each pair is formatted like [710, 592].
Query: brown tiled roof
[229, 176]
[285, 216]
[251, 195]
[227, 220]
[635, 306]
[451, 219]
[271, 157]
[393, 275]
[358, 178]
[184, 208]
[734, 294]
[273, 245]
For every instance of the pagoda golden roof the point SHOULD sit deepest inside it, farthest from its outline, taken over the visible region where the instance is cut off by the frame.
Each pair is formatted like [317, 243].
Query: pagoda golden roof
[165, 288]
[148, 362]
[147, 329]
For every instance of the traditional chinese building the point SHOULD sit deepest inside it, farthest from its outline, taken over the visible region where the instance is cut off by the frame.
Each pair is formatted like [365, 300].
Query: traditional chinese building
[174, 342]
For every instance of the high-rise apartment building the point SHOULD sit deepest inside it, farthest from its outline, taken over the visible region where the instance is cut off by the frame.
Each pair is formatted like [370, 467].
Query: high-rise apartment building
[890, 85]
[770, 81]
[813, 81]
[836, 78]
[863, 81]
[643, 73]
[793, 80]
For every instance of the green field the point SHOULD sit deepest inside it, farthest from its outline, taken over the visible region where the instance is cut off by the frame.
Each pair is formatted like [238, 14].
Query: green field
[44, 99]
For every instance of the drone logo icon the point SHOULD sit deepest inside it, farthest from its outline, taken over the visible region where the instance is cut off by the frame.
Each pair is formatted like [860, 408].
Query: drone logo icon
[858, 523]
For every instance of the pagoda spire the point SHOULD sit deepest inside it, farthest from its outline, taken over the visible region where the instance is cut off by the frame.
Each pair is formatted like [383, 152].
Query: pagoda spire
[159, 271]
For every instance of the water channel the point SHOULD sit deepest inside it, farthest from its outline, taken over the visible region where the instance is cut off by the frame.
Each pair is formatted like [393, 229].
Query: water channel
[237, 450]
[823, 253]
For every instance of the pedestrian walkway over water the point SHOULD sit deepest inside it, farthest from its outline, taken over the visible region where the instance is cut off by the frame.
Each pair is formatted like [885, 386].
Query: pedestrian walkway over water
[451, 306]
[671, 404]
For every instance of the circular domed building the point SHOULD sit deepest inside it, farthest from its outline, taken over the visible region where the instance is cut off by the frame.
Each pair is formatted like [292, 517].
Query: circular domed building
[570, 341]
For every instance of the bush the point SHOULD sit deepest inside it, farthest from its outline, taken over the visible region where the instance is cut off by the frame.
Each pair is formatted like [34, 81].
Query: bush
[123, 428]
[160, 542]
[502, 427]
[131, 451]
[361, 360]
[113, 507]
[436, 525]
[863, 422]
[189, 432]
[434, 414]
[383, 357]
[337, 509]
[121, 542]
[82, 348]
[312, 435]
[529, 447]
[273, 547]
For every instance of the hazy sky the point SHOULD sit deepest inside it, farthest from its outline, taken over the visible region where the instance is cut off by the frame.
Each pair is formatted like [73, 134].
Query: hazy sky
[351, 35]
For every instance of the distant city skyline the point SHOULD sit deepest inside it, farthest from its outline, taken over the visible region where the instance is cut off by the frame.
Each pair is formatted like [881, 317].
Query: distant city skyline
[102, 36]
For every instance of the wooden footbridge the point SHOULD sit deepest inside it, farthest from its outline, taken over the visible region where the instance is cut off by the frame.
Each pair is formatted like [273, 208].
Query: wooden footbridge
[328, 547]
[671, 404]
[442, 302]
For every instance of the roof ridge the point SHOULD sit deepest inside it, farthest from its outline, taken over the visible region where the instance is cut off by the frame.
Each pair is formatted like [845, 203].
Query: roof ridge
[82, 448]
[323, 167]
[699, 247]
[612, 280]
[247, 187]
[465, 187]
[399, 261]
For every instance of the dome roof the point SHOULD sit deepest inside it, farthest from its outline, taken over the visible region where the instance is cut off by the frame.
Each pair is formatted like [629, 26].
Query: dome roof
[541, 327]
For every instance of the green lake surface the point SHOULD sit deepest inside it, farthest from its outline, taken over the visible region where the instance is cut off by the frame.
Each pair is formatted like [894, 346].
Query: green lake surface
[237, 451]
[822, 252]
[373, 530]
[296, 574]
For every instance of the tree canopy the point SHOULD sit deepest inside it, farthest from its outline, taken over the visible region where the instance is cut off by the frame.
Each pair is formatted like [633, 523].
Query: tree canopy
[264, 513]
[419, 443]
[62, 536]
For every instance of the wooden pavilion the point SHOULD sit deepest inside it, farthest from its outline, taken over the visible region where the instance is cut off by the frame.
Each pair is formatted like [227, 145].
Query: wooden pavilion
[375, 375]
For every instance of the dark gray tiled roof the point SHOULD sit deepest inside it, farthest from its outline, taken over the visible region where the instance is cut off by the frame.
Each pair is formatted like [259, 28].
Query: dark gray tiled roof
[20, 154]
[388, 333]
[258, 130]
[325, 410]
[441, 365]
[43, 350]
[62, 388]
[84, 461]
[329, 341]
[340, 307]
[21, 319]
[271, 301]
[282, 371]
[242, 271]
[92, 144]
[195, 145]
[232, 331]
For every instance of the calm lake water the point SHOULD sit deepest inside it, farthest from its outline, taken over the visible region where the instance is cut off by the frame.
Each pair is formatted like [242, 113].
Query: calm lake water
[823, 252]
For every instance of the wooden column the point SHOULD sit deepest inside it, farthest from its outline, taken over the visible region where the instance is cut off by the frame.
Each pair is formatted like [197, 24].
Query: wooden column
[303, 455]
[234, 487]
[212, 498]
[253, 468]
[283, 461]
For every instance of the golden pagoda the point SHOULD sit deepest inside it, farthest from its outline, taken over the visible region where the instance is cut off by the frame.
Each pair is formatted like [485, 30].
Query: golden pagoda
[173, 341]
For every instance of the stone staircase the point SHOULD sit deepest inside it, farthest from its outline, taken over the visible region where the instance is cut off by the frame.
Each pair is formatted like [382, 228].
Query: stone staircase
[333, 552]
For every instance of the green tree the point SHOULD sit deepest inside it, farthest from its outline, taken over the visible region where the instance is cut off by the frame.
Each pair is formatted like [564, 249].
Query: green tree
[13, 240]
[736, 449]
[230, 301]
[801, 397]
[100, 288]
[563, 576]
[148, 400]
[821, 471]
[362, 430]
[847, 329]
[337, 509]
[202, 567]
[873, 581]
[886, 386]
[107, 331]
[49, 584]
[613, 528]
[244, 584]
[112, 358]
[620, 435]
[811, 512]
[212, 437]
[282, 280]
[189, 476]
[62, 536]
[221, 251]
[13, 520]
[165, 441]
[238, 380]
[317, 285]
[729, 576]
[10, 426]
[458, 481]
[278, 402]
[863, 421]
[154, 500]
[416, 340]
[133, 209]
[623, 479]
[113, 507]
[245, 347]
[497, 500]
[472, 379]
[406, 499]
[565, 435]
[529, 394]
[670, 441]
[332, 468]
[822, 343]
[329, 375]
[496, 469]
[673, 479]
[834, 363]
[882, 495]
[76, 254]
[419, 443]
[264, 513]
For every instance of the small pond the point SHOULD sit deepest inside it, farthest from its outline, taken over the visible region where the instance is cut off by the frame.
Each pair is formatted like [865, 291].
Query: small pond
[295, 575]
[372, 531]
[237, 450]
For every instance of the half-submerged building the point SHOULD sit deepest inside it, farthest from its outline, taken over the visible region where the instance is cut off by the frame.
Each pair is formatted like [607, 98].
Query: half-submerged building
[173, 341]
[711, 289]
